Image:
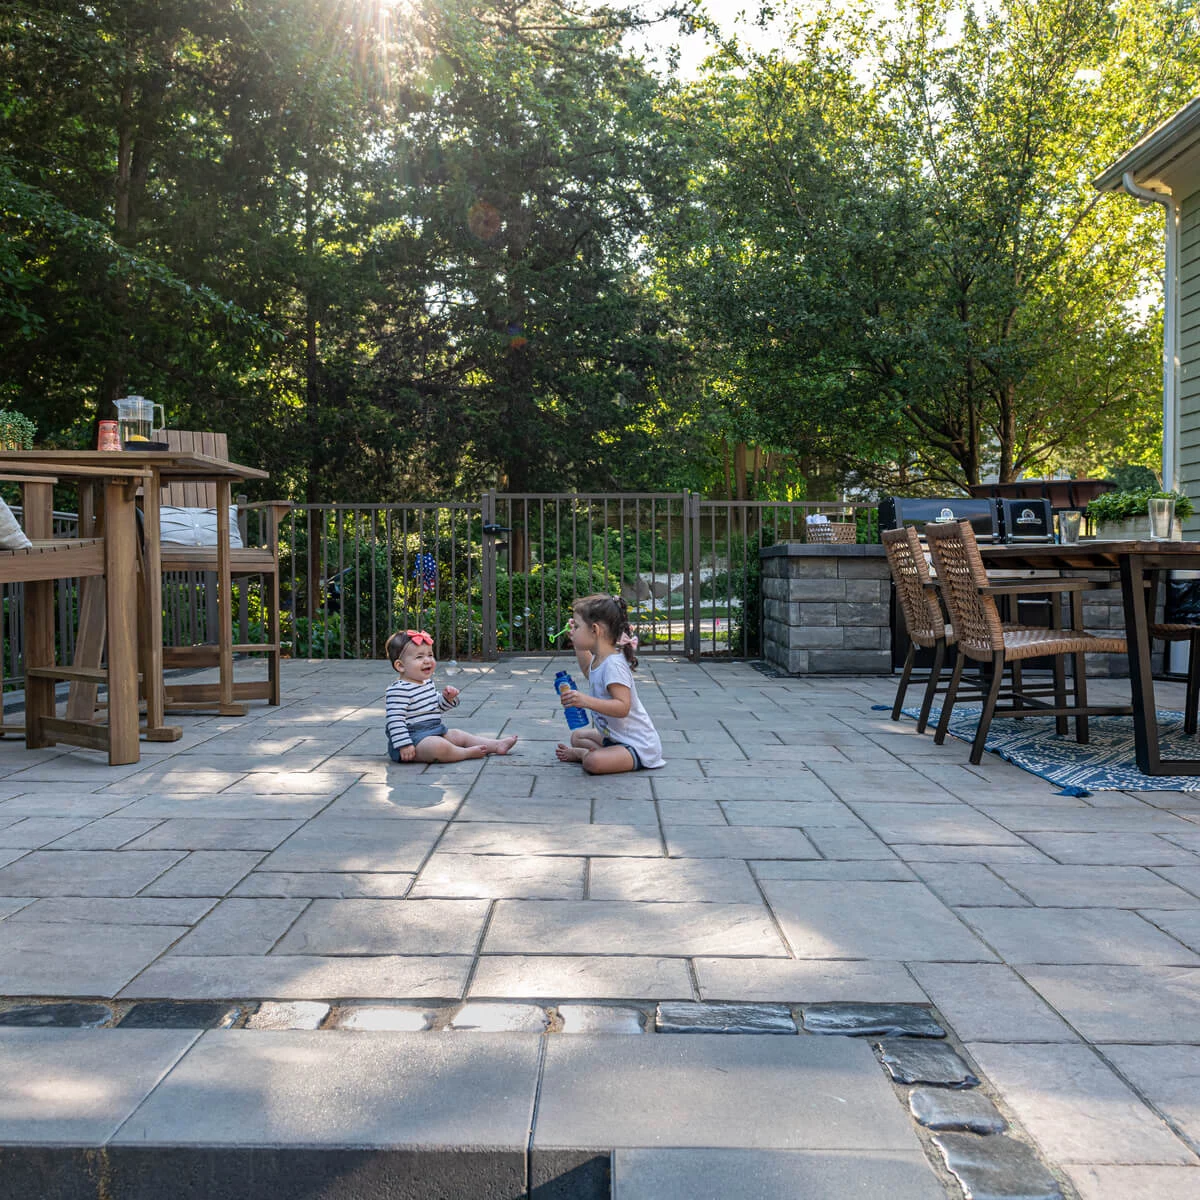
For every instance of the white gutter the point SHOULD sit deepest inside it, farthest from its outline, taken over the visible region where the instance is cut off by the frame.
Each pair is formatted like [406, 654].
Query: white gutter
[1170, 450]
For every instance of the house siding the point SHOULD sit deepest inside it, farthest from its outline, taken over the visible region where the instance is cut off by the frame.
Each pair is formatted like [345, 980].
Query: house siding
[1189, 352]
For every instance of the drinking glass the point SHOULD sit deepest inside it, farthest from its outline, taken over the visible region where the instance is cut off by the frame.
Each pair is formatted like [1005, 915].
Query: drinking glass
[1068, 527]
[1162, 518]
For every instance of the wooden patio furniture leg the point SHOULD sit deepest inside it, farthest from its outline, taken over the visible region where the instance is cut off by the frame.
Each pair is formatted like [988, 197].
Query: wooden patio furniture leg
[935, 675]
[273, 636]
[120, 575]
[153, 681]
[226, 705]
[1193, 684]
[989, 707]
[1017, 679]
[1059, 669]
[905, 676]
[948, 703]
[39, 620]
[1079, 671]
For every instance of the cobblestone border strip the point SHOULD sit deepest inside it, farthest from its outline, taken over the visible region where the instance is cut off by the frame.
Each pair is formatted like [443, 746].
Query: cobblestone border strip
[964, 1134]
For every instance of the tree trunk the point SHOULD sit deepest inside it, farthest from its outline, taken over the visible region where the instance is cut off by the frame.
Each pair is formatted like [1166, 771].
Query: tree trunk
[739, 469]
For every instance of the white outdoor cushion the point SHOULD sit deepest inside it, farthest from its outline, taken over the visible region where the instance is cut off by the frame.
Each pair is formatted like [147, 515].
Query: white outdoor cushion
[12, 537]
[195, 526]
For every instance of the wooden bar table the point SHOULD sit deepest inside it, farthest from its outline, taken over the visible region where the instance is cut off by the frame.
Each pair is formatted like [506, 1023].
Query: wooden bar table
[1134, 562]
[162, 467]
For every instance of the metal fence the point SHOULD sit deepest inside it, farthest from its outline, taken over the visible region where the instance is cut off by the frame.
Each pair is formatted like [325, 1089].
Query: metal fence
[490, 577]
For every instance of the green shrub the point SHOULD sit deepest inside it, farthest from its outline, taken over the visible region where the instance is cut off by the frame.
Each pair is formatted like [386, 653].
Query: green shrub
[531, 607]
[1120, 506]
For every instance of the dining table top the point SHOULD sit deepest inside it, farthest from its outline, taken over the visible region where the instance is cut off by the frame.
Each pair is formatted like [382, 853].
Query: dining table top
[1088, 554]
[169, 465]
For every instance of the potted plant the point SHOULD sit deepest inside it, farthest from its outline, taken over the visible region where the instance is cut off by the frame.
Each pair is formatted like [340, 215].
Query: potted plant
[1120, 516]
[17, 431]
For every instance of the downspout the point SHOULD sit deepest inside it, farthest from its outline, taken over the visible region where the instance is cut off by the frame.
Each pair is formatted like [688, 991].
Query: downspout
[1170, 451]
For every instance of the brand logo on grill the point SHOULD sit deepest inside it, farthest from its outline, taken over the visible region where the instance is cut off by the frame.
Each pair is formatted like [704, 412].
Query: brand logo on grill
[1029, 517]
[947, 514]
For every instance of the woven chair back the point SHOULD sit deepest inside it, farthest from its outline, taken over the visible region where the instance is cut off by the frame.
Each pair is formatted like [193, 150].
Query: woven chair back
[910, 573]
[840, 532]
[973, 616]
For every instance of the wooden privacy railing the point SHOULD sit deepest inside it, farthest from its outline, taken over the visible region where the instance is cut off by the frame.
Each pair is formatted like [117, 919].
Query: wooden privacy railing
[493, 576]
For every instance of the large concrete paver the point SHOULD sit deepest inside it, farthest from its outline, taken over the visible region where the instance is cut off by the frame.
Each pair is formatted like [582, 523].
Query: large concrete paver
[366, 1089]
[674, 1174]
[773, 1092]
[75, 1087]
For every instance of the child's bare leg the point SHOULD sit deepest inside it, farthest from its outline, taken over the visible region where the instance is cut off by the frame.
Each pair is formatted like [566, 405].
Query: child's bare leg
[441, 749]
[608, 760]
[460, 737]
[583, 742]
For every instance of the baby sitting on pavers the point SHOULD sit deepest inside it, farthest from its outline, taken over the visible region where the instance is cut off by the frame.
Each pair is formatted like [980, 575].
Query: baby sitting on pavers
[414, 707]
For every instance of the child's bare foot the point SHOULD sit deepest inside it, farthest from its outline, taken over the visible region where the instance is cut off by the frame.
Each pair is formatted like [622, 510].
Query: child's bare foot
[505, 744]
[569, 753]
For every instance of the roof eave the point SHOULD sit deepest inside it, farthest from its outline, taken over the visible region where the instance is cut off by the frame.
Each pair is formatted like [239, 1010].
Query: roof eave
[1157, 150]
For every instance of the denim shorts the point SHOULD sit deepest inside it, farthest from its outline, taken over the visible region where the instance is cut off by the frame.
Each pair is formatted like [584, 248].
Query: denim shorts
[416, 733]
[637, 758]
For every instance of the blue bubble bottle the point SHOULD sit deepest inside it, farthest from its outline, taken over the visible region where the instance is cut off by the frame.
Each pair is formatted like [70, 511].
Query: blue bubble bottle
[577, 718]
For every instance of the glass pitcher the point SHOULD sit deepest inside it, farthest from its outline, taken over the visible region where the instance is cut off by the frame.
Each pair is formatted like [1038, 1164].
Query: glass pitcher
[135, 419]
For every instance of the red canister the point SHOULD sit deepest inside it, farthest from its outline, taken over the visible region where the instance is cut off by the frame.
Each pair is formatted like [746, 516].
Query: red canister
[109, 437]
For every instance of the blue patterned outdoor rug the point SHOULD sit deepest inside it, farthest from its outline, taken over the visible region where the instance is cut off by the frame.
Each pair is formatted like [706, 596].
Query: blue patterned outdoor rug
[1106, 764]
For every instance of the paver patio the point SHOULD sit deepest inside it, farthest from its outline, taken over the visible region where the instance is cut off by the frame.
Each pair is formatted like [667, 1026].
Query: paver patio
[799, 847]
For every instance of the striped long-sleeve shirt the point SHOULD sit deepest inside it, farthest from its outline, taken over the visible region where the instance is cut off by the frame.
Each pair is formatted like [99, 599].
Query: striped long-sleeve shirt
[409, 704]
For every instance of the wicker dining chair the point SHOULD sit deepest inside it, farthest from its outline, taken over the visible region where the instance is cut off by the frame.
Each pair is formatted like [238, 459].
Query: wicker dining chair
[927, 628]
[970, 599]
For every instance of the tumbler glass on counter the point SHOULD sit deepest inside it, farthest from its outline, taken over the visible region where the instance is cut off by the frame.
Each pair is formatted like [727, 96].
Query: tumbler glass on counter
[1068, 527]
[1162, 518]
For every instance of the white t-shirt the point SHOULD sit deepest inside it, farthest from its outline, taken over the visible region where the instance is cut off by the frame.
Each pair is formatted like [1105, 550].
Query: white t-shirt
[636, 729]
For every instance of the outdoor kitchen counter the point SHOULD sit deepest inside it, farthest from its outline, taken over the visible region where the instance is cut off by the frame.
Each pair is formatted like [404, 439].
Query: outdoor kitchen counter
[826, 609]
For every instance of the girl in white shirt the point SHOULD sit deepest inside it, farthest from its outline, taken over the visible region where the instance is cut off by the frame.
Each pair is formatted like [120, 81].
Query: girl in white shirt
[622, 737]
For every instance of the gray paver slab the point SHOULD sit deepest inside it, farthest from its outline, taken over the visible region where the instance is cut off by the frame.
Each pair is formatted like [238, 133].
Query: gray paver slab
[1182, 925]
[658, 1091]
[325, 884]
[797, 813]
[203, 872]
[1135, 1182]
[968, 885]
[990, 1002]
[1075, 1107]
[1122, 1003]
[97, 910]
[580, 977]
[501, 876]
[1168, 1076]
[968, 854]
[241, 927]
[942, 824]
[574, 838]
[1131, 817]
[85, 872]
[631, 927]
[364, 927]
[839, 919]
[369, 1090]
[770, 1175]
[302, 977]
[1117, 849]
[215, 833]
[738, 841]
[75, 1086]
[850, 844]
[190, 806]
[108, 833]
[28, 833]
[863, 869]
[772, 979]
[691, 812]
[40, 958]
[600, 1018]
[1058, 886]
[714, 880]
[1076, 935]
[349, 844]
